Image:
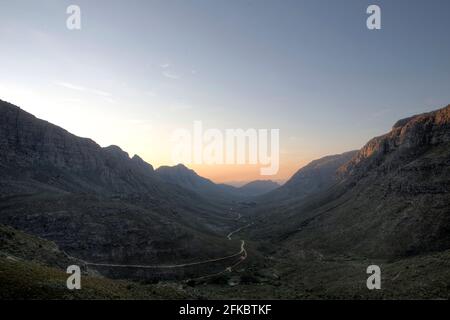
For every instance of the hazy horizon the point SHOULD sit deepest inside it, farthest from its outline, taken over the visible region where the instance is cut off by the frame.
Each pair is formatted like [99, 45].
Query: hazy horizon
[137, 71]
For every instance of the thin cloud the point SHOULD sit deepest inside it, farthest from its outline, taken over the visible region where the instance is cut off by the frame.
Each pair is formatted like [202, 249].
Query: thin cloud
[72, 100]
[76, 87]
[71, 86]
[171, 75]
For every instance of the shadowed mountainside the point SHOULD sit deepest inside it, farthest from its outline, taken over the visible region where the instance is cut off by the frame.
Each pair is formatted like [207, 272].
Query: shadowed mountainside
[390, 199]
[313, 178]
[188, 179]
[97, 203]
[258, 187]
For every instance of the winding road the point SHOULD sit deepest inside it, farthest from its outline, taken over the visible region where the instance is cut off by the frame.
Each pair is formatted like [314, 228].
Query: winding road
[169, 266]
[241, 259]
[242, 256]
[237, 230]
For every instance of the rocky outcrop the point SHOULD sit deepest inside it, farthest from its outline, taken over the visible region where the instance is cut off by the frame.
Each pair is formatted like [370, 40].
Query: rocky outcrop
[409, 138]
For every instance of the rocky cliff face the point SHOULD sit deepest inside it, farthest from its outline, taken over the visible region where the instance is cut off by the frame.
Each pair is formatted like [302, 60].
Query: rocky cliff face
[391, 198]
[39, 151]
[409, 138]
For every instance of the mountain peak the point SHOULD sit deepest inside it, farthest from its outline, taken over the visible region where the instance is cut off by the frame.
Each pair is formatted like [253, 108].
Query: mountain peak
[116, 150]
[141, 163]
[182, 167]
[179, 169]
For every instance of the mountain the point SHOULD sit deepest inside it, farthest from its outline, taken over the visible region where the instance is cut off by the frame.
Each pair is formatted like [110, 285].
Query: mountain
[258, 187]
[316, 176]
[389, 200]
[97, 203]
[188, 179]
[44, 156]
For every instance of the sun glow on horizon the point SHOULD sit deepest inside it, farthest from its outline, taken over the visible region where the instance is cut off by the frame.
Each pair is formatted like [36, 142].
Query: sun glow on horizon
[140, 137]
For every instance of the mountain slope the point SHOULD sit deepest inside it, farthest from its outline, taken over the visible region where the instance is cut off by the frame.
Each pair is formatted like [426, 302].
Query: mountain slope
[97, 203]
[313, 178]
[34, 268]
[258, 187]
[48, 156]
[390, 200]
[188, 179]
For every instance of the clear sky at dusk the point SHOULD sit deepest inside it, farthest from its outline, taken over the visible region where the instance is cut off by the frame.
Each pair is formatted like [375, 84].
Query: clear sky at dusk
[137, 70]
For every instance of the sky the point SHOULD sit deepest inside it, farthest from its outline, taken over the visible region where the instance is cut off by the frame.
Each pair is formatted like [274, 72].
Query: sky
[138, 70]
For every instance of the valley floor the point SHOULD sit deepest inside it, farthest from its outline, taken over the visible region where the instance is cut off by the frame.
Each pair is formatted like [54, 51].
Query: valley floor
[425, 277]
[34, 268]
[420, 277]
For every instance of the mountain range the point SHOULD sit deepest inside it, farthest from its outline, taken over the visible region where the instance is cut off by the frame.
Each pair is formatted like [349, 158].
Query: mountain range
[98, 203]
[64, 198]
[187, 178]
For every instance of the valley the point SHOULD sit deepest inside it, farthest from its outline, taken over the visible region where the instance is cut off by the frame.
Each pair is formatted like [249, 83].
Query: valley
[140, 233]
